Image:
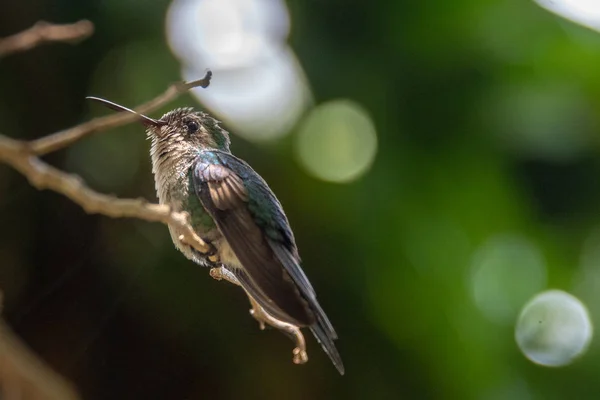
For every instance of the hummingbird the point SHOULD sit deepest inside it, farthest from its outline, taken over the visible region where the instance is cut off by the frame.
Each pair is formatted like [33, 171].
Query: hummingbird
[234, 211]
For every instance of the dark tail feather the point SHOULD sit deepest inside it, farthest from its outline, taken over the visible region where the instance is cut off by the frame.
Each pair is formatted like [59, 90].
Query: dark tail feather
[321, 328]
[325, 334]
[326, 342]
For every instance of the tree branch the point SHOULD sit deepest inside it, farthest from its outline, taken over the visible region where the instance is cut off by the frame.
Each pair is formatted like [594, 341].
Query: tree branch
[24, 376]
[45, 32]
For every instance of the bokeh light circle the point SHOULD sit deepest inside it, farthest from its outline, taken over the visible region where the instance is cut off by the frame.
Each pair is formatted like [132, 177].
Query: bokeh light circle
[584, 12]
[553, 329]
[337, 141]
[226, 34]
[549, 120]
[506, 271]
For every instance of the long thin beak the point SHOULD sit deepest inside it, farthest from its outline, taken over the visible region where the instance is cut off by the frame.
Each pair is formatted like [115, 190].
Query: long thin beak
[144, 119]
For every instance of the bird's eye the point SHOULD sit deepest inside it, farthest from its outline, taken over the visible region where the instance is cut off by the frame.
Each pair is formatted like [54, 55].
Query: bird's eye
[192, 126]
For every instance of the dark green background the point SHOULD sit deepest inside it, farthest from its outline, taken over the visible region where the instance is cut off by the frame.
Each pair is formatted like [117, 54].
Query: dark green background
[487, 120]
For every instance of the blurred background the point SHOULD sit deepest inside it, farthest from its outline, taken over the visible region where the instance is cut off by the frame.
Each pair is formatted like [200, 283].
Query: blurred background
[438, 162]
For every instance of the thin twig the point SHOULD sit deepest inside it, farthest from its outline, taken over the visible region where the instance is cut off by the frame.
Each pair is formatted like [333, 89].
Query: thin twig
[45, 32]
[65, 138]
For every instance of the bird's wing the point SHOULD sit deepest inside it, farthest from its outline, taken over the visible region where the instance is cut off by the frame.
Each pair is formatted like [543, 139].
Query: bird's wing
[253, 222]
[247, 218]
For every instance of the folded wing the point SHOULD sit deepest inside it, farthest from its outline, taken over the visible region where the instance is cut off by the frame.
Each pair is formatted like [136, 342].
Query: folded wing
[252, 221]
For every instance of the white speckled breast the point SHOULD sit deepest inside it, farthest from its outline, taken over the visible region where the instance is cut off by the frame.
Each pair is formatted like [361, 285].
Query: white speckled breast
[171, 161]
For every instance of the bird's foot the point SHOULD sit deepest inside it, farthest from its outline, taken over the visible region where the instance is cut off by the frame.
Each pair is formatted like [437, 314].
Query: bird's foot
[220, 273]
[211, 257]
[300, 356]
[213, 254]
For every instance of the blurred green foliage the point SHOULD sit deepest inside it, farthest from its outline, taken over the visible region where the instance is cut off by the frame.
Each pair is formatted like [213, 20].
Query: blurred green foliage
[488, 127]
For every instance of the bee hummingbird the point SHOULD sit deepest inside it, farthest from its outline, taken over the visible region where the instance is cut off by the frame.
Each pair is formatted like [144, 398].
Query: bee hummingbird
[234, 211]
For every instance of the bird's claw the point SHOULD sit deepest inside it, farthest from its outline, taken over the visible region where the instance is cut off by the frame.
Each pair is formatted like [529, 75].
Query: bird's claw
[220, 273]
[215, 274]
[212, 254]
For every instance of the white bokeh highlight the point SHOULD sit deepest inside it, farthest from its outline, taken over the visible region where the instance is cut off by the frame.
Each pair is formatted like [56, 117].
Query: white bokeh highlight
[553, 329]
[505, 271]
[546, 119]
[259, 88]
[258, 103]
[226, 34]
[583, 12]
[587, 279]
[337, 141]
